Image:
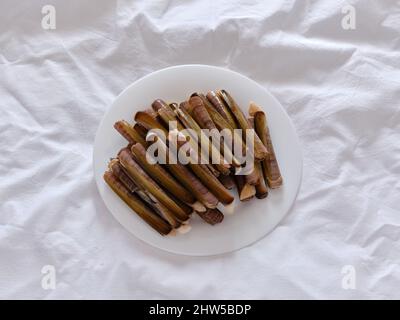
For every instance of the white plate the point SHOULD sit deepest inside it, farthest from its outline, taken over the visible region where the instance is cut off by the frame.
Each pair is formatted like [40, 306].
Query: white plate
[252, 220]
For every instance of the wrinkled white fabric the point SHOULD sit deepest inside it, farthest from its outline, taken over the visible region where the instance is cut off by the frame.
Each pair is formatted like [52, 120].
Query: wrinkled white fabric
[340, 87]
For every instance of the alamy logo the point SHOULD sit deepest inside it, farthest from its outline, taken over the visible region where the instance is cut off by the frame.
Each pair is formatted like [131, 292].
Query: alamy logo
[49, 18]
[49, 277]
[349, 277]
[349, 20]
[200, 147]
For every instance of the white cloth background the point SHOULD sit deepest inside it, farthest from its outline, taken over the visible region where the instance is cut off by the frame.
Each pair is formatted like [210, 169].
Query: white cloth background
[340, 87]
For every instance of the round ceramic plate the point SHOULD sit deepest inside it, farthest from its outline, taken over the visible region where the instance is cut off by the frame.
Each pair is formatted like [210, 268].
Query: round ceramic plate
[251, 220]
